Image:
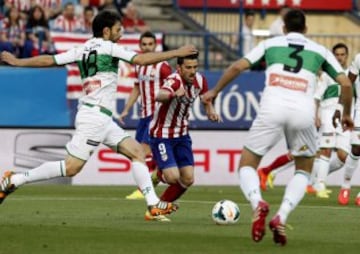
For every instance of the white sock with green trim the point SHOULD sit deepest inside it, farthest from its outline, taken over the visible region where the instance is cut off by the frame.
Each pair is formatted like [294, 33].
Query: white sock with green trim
[143, 180]
[294, 193]
[45, 171]
[350, 166]
[250, 185]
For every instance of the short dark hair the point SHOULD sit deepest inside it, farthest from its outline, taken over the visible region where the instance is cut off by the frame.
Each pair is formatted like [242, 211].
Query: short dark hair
[249, 13]
[340, 45]
[147, 34]
[295, 21]
[106, 18]
[180, 60]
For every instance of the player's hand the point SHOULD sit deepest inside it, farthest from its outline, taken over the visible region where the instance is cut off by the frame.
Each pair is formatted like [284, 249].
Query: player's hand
[214, 117]
[336, 118]
[187, 50]
[209, 96]
[180, 92]
[347, 123]
[122, 116]
[7, 57]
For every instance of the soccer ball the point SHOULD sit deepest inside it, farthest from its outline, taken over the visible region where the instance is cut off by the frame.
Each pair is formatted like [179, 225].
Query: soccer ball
[225, 212]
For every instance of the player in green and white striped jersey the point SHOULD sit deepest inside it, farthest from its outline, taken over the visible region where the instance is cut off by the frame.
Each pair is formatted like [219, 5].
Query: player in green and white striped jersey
[287, 108]
[98, 61]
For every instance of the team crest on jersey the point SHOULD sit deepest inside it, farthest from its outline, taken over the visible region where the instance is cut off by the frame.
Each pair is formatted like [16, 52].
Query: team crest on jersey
[303, 148]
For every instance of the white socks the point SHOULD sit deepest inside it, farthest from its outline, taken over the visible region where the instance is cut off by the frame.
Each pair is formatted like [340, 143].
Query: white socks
[322, 172]
[250, 185]
[294, 193]
[335, 163]
[143, 180]
[350, 166]
[45, 171]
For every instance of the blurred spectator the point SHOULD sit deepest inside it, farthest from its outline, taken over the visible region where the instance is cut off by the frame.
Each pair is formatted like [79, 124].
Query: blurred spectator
[23, 6]
[247, 41]
[120, 5]
[132, 21]
[67, 21]
[37, 29]
[276, 27]
[12, 35]
[107, 5]
[87, 19]
[52, 8]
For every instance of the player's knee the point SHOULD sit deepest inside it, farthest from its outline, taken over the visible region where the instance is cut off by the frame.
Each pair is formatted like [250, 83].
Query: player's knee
[187, 181]
[72, 168]
[355, 150]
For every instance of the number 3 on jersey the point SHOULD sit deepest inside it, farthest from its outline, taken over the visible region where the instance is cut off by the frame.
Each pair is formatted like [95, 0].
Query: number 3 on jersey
[295, 56]
[88, 64]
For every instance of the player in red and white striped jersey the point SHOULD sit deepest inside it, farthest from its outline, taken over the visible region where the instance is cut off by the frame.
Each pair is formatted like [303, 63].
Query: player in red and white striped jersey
[149, 80]
[169, 135]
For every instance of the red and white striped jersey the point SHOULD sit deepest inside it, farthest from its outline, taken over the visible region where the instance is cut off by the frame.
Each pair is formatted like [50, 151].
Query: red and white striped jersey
[50, 4]
[20, 5]
[66, 25]
[149, 79]
[170, 119]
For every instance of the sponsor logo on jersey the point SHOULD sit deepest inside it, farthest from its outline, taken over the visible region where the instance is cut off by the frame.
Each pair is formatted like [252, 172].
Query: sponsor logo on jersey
[292, 83]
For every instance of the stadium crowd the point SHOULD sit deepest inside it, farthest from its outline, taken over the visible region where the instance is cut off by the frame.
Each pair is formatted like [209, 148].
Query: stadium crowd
[25, 25]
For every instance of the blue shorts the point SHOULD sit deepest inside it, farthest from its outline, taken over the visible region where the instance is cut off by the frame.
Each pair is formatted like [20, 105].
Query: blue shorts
[142, 130]
[173, 152]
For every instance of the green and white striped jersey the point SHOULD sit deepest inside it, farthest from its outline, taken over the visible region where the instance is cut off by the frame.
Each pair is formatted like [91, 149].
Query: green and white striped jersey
[355, 69]
[293, 62]
[327, 91]
[98, 61]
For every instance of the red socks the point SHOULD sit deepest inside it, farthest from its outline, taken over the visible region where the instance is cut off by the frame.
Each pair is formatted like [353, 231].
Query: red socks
[278, 162]
[173, 192]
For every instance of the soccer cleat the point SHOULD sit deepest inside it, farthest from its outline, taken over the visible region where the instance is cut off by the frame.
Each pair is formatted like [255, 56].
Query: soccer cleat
[270, 180]
[322, 194]
[344, 196]
[310, 189]
[162, 208]
[278, 230]
[6, 187]
[357, 200]
[136, 194]
[263, 178]
[258, 222]
[149, 217]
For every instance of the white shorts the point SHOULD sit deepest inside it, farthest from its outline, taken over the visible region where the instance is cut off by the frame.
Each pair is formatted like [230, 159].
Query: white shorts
[93, 127]
[355, 134]
[271, 123]
[327, 132]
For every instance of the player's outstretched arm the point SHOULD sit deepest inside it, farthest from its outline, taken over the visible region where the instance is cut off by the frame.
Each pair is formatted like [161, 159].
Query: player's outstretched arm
[36, 61]
[155, 57]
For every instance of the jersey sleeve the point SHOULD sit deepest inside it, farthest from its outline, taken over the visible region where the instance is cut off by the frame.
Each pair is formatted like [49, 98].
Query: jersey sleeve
[320, 87]
[256, 54]
[67, 57]
[165, 71]
[205, 86]
[123, 53]
[171, 84]
[355, 65]
[331, 66]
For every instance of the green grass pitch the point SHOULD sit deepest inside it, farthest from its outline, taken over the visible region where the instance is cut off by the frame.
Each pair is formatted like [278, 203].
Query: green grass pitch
[53, 219]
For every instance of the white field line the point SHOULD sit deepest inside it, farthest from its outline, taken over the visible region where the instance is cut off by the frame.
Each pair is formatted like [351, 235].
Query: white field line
[202, 202]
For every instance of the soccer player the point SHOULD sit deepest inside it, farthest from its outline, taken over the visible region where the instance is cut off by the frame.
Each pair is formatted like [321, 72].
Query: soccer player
[353, 159]
[98, 62]
[330, 138]
[169, 129]
[287, 108]
[149, 80]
